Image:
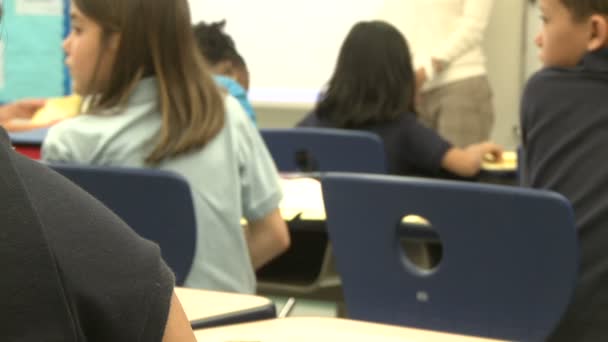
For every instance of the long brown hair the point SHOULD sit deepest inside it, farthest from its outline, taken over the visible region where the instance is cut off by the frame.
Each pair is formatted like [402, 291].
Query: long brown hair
[156, 39]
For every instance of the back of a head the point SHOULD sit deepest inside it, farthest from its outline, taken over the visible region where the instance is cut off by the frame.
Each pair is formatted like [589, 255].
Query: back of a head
[156, 40]
[220, 51]
[373, 80]
[215, 45]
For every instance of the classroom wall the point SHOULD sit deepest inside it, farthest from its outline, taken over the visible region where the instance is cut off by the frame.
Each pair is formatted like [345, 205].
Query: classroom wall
[504, 46]
[533, 25]
[505, 51]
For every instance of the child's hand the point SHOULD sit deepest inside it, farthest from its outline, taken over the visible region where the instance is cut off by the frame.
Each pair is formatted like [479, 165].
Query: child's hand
[20, 125]
[23, 109]
[488, 151]
[16, 116]
[491, 152]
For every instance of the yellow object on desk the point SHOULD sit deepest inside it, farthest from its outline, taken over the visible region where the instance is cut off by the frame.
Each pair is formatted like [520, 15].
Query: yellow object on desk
[508, 163]
[56, 109]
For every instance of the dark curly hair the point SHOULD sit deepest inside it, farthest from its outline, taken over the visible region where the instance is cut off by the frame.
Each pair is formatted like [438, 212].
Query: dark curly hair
[215, 45]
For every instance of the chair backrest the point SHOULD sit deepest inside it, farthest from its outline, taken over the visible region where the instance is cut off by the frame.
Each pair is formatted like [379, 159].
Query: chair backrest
[325, 149]
[509, 264]
[156, 204]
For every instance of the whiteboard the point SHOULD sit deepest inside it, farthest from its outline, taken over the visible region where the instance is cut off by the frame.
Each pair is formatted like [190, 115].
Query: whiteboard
[290, 46]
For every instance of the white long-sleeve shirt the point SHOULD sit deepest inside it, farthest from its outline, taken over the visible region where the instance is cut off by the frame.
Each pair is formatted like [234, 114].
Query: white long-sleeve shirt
[449, 30]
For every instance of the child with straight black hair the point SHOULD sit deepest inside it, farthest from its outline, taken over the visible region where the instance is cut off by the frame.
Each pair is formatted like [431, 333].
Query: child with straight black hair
[372, 89]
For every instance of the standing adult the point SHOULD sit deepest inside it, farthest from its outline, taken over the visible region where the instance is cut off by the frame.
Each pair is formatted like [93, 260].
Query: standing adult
[446, 36]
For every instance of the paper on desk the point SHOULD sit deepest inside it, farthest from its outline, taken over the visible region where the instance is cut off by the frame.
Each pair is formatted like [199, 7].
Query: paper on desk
[302, 196]
[508, 163]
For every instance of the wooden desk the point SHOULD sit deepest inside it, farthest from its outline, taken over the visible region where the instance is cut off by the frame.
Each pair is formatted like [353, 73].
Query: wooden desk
[502, 173]
[308, 263]
[304, 197]
[306, 329]
[507, 164]
[202, 305]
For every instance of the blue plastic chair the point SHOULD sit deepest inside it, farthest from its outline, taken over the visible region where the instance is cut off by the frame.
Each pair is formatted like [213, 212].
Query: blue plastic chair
[156, 204]
[509, 265]
[324, 149]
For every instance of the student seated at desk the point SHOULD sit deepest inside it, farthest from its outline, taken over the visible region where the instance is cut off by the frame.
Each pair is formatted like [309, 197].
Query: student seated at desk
[153, 103]
[71, 270]
[229, 67]
[564, 122]
[372, 89]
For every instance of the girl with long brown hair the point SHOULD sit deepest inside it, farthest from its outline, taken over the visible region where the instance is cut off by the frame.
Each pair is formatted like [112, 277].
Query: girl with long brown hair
[153, 103]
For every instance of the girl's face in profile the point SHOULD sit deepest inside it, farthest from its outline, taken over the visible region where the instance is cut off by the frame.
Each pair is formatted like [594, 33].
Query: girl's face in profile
[88, 60]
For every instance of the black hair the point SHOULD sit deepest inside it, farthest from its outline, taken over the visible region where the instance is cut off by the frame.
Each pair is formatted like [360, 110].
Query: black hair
[373, 80]
[581, 9]
[216, 45]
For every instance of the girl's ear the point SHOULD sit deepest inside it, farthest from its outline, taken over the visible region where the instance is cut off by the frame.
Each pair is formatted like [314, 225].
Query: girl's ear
[599, 32]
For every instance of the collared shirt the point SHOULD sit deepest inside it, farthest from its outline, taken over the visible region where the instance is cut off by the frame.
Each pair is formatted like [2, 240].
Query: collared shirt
[564, 118]
[238, 92]
[232, 177]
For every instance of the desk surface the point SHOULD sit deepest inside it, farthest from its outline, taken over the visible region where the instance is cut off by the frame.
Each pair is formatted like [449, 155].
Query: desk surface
[306, 329]
[304, 197]
[201, 304]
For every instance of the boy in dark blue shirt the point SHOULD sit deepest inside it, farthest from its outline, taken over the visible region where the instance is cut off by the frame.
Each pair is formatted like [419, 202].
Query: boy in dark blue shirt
[565, 135]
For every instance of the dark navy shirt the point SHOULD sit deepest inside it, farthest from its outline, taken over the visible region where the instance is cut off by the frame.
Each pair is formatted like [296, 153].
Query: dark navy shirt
[411, 148]
[564, 118]
[70, 269]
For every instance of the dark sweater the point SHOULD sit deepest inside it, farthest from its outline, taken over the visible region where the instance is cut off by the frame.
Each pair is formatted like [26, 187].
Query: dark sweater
[410, 147]
[71, 270]
[564, 120]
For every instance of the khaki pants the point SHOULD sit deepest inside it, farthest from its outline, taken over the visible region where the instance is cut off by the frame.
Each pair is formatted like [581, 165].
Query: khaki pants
[461, 111]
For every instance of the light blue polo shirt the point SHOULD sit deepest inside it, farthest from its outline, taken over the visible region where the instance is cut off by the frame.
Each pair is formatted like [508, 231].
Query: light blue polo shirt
[232, 177]
[238, 92]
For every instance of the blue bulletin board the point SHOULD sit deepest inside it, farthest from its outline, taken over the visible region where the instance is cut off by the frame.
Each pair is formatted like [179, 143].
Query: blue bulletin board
[31, 56]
